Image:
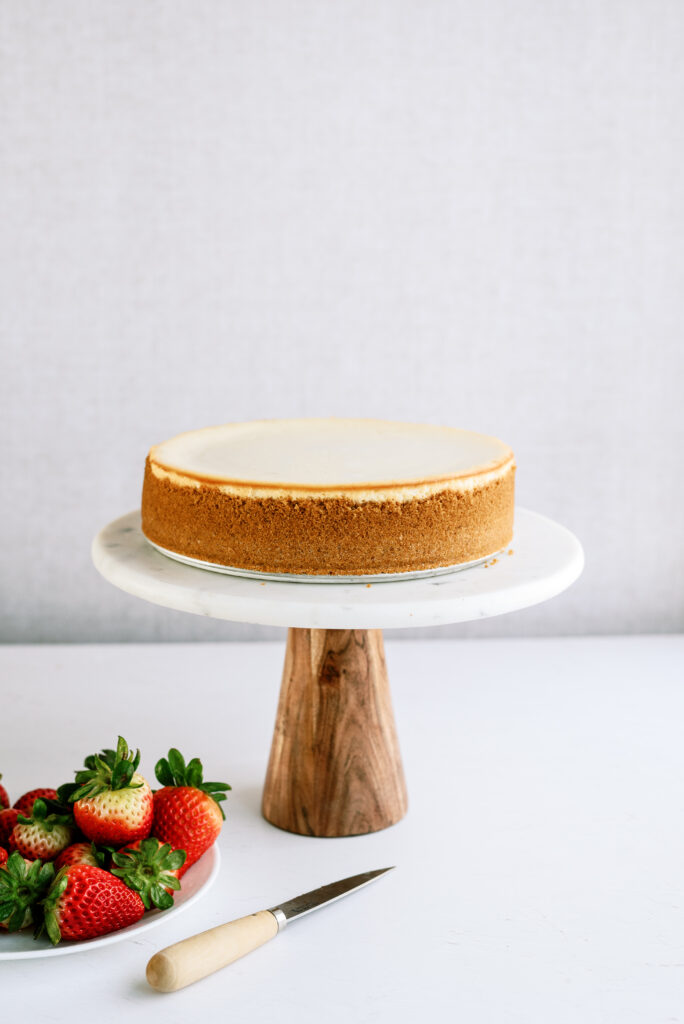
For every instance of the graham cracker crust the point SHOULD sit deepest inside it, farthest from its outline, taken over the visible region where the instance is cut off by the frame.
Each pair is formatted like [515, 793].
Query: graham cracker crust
[328, 536]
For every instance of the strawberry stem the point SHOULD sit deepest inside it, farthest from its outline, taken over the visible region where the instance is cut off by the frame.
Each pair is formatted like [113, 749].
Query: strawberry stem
[43, 814]
[108, 770]
[173, 771]
[21, 887]
[147, 869]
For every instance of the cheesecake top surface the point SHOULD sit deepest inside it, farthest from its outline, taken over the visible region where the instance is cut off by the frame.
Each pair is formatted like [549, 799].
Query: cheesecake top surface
[329, 454]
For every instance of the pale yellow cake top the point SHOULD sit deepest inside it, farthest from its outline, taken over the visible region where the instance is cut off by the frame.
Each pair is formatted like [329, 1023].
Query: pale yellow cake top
[330, 455]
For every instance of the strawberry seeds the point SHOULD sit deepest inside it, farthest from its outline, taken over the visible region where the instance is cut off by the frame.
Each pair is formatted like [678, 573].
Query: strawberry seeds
[97, 853]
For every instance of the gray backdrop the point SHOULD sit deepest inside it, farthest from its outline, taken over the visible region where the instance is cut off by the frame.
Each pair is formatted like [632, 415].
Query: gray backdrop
[445, 211]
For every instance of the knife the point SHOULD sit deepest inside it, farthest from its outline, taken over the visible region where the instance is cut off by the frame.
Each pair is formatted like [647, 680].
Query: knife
[194, 958]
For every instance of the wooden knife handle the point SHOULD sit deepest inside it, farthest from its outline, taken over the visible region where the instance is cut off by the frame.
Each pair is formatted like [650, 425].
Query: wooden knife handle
[194, 958]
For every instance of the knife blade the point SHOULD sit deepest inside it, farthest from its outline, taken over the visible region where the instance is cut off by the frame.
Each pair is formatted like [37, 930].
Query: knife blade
[200, 955]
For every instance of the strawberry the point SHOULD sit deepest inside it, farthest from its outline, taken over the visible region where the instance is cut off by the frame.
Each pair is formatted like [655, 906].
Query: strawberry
[112, 802]
[4, 799]
[23, 884]
[80, 853]
[8, 819]
[25, 803]
[43, 835]
[86, 901]
[187, 811]
[3, 856]
[150, 868]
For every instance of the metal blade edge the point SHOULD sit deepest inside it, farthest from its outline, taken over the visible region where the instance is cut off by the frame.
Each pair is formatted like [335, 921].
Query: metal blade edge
[308, 901]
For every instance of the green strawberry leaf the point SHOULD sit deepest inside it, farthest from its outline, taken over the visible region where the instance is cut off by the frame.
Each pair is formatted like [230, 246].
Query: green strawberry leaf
[122, 774]
[58, 806]
[16, 866]
[163, 773]
[49, 920]
[16, 918]
[175, 860]
[160, 897]
[216, 790]
[193, 774]
[177, 764]
[109, 770]
[64, 792]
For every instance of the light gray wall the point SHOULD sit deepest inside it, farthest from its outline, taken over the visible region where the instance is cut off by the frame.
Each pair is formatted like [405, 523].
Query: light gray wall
[452, 211]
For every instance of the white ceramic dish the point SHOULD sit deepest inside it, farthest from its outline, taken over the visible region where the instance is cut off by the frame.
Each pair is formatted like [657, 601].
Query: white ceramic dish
[195, 883]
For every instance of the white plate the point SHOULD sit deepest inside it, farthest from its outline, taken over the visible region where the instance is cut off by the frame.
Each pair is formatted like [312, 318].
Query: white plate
[195, 883]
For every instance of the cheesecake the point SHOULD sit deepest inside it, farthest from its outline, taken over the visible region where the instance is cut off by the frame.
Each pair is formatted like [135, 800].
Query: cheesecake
[329, 497]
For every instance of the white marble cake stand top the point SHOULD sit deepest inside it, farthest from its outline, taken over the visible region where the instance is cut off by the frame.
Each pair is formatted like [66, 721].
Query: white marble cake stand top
[546, 559]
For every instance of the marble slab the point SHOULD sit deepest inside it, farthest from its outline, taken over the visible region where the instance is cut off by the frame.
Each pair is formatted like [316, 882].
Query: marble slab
[545, 558]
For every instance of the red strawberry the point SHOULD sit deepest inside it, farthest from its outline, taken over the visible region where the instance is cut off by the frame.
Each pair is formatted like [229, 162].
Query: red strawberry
[85, 901]
[112, 802]
[187, 811]
[3, 856]
[80, 853]
[43, 835]
[152, 869]
[25, 803]
[8, 819]
[22, 884]
[4, 799]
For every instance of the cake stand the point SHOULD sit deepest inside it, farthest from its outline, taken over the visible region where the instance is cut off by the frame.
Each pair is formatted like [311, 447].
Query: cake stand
[335, 767]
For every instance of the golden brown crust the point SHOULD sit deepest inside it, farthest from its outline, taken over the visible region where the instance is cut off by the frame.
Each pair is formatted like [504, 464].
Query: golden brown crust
[330, 536]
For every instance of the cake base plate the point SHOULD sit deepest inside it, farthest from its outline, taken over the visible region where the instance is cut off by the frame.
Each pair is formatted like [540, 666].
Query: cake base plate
[286, 577]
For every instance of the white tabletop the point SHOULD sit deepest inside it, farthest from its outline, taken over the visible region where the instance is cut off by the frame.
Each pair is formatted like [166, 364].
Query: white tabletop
[539, 869]
[542, 560]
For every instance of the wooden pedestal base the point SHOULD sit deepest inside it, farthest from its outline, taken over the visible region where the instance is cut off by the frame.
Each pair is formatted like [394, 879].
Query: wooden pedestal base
[335, 767]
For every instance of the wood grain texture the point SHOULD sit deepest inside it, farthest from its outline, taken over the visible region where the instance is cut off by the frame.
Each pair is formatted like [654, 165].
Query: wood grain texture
[335, 767]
